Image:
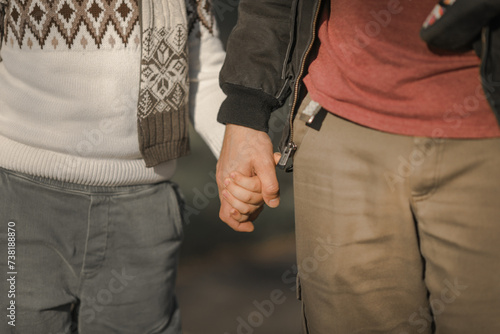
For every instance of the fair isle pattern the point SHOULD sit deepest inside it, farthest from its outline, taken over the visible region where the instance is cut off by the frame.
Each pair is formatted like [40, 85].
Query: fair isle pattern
[72, 24]
[164, 71]
[200, 10]
[3, 7]
[164, 88]
[165, 68]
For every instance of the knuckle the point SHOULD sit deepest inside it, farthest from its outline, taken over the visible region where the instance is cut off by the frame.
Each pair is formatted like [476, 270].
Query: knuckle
[247, 198]
[257, 187]
[271, 189]
[265, 165]
[238, 177]
[230, 188]
[245, 212]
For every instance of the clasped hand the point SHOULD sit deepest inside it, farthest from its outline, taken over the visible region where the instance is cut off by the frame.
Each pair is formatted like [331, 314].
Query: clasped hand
[246, 176]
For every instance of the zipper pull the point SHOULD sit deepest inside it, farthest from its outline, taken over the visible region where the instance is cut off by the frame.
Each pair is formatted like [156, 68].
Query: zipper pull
[286, 154]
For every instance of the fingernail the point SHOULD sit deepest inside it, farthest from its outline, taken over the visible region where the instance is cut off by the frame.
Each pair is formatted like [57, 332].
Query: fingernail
[227, 181]
[233, 211]
[274, 203]
[232, 175]
[224, 194]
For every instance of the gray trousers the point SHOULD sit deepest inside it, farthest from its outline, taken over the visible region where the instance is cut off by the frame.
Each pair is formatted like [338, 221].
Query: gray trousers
[396, 234]
[88, 260]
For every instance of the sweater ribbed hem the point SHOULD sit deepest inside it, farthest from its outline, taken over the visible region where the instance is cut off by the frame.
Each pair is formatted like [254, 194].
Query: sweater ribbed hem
[165, 151]
[80, 170]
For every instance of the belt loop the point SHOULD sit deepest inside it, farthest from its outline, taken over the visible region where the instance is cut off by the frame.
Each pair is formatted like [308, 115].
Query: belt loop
[318, 119]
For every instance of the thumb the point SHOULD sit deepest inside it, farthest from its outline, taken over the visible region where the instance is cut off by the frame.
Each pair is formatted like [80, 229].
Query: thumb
[266, 172]
[277, 157]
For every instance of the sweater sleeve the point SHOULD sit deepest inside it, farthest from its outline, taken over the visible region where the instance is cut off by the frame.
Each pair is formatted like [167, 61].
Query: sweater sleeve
[206, 55]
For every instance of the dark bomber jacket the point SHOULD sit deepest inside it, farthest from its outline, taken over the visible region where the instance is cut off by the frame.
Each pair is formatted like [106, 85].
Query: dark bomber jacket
[267, 56]
[472, 23]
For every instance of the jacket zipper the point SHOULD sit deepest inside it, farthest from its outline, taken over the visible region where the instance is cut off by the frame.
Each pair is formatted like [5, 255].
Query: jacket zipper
[290, 148]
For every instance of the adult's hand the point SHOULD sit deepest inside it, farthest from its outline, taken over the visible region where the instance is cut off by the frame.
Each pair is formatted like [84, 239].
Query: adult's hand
[249, 152]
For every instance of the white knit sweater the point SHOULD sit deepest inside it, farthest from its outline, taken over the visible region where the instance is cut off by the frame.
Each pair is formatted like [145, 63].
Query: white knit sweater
[69, 84]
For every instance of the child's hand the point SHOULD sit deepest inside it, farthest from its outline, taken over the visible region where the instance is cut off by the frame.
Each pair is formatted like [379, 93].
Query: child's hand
[244, 194]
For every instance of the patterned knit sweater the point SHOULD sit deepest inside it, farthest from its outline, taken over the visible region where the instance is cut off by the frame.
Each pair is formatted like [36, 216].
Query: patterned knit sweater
[73, 74]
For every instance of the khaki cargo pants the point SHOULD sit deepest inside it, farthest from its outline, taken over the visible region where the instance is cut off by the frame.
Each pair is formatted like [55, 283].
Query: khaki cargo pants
[396, 234]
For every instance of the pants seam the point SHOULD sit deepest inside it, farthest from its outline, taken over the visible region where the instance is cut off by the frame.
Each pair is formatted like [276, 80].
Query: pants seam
[80, 283]
[435, 179]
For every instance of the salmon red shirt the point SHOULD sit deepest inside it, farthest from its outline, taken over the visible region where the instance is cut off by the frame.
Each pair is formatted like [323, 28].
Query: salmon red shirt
[372, 68]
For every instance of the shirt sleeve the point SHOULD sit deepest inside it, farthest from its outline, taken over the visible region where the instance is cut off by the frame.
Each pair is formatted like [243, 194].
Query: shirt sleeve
[206, 56]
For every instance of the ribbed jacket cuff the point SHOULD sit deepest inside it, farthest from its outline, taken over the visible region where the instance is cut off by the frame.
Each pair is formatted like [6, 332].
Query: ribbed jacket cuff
[247, 107]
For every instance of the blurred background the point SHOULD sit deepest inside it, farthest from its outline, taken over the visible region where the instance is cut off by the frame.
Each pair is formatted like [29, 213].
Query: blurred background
[232, 282]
